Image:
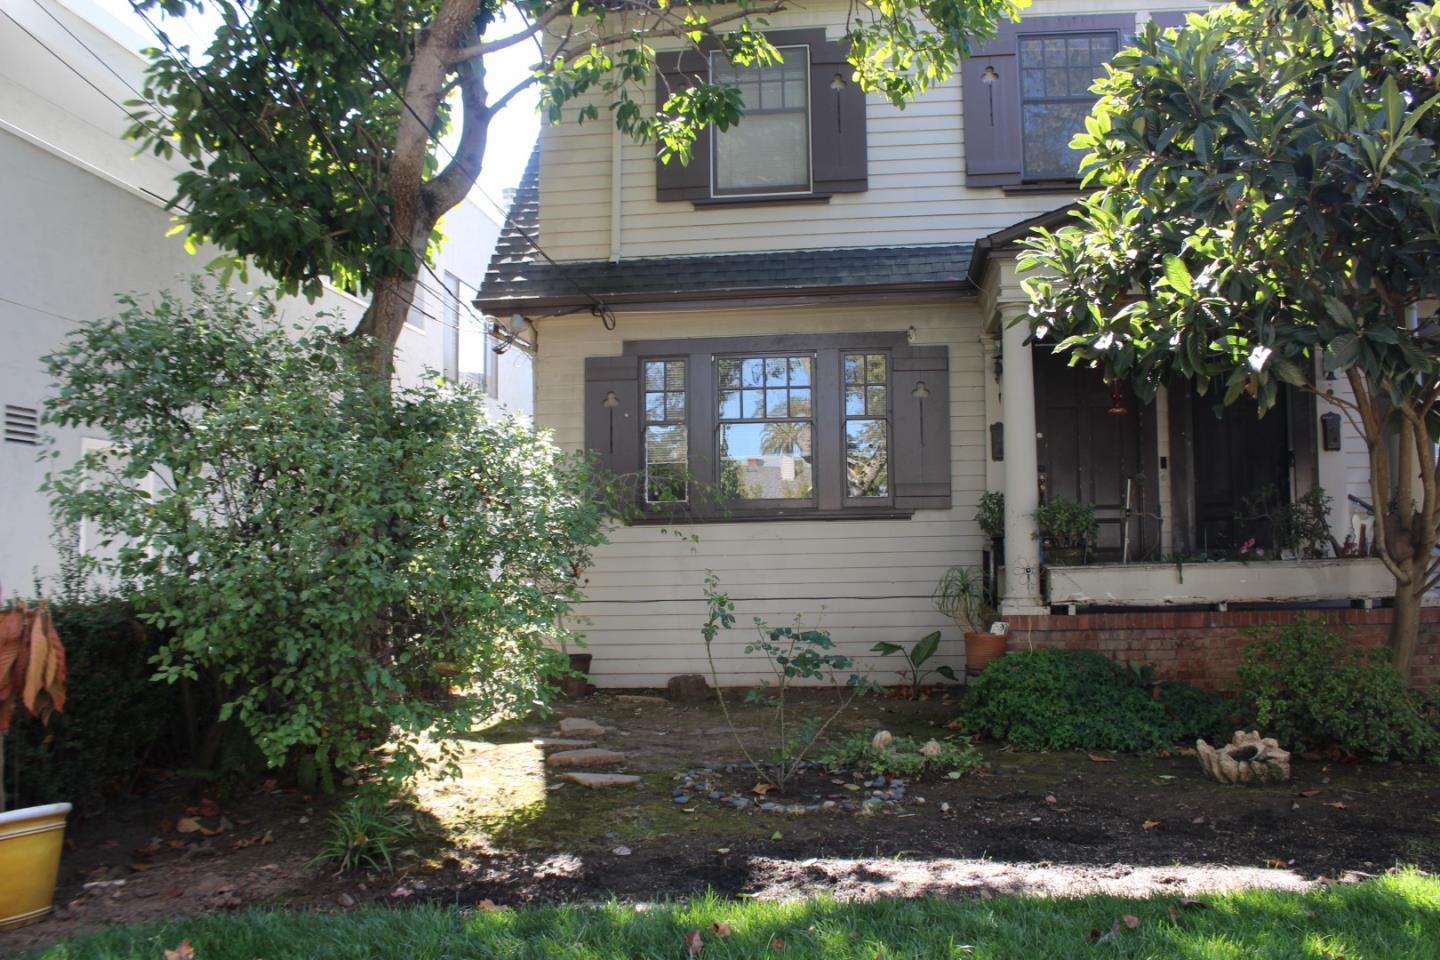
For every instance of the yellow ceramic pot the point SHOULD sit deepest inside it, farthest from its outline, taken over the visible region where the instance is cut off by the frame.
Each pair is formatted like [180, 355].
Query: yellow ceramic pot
[30, 842]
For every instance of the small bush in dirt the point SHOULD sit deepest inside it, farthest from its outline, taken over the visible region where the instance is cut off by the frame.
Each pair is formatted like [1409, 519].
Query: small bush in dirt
[1063, 699]
[365, 833]
[903, 758]
[1301, 686]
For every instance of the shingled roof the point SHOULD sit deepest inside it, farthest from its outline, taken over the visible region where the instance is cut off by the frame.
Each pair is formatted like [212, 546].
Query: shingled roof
[519, 278]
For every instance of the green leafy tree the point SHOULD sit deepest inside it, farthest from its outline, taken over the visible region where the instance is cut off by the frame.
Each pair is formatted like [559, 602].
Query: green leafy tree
[346, 566]
[311, 126]
[1268, 193]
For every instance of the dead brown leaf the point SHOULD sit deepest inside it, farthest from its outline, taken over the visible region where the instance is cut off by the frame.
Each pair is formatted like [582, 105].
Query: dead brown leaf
[1275, 862]
[1151, 824]
[187, 825]
[777, 944]
[1174, 915]
[694, 942]
[1131, 920]
[1338, 804]
[1099, 759]
[489, 906]
[1310, 793]
[183, 951]
[720, 929]
[761, 788]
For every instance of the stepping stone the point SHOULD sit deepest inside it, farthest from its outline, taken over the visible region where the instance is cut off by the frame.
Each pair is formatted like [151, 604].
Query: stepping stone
[545, 743]
[584, 758]
[640, 698]
[580, 727]
[599, 781]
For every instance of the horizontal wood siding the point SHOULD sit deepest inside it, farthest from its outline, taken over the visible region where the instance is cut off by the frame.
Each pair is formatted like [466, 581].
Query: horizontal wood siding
[917, 192]
[864, 580]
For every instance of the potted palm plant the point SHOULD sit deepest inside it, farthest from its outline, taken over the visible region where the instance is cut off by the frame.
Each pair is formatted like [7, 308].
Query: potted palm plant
[1066, 530]
[961, 596]
[32, 681]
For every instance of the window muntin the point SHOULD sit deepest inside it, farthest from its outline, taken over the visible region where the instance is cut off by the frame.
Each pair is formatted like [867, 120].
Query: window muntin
[766, 427]
[667, 441]
[1056, 72]
[867, 425]
[768, 151]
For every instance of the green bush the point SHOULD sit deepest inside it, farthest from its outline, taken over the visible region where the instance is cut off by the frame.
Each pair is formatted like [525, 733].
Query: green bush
[1063, 699]
[330, 555]
[1301, 686]
[903, 759]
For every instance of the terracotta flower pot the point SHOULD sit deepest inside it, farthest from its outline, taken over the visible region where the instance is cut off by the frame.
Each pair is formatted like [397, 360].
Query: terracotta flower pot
[30, 843]
[981, 648]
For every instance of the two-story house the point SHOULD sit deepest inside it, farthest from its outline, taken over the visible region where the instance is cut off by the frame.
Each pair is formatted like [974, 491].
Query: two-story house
[802, 345]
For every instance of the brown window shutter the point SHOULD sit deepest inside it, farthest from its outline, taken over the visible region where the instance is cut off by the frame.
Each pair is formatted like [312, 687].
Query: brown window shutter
[992, 115]
[837, 122]
[921, 403]
[674, 71]
[612, 413]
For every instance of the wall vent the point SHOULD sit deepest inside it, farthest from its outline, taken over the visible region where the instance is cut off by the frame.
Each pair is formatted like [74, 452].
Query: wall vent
[22, 425]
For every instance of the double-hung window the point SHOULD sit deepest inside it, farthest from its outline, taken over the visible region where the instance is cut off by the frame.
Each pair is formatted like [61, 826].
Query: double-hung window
[768, 152]
[744, 428]
[1055, 77]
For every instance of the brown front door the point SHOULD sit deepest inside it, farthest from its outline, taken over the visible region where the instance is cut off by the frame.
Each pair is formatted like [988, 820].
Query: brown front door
[1241, 467]
[1087, 454]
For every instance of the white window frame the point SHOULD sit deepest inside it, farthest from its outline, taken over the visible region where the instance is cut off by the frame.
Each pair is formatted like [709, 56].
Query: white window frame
[809, 136]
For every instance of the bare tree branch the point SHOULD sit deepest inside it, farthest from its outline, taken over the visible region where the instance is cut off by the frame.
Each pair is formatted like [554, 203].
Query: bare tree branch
[462, 54]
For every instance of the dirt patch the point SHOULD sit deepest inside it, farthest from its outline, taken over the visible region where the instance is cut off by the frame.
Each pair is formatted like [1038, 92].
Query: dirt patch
[511, 832]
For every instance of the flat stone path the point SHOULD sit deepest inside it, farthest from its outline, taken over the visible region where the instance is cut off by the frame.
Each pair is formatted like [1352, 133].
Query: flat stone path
[580, 727]
[599, 781]
[561, 743]
[584, 753]
[585, 758]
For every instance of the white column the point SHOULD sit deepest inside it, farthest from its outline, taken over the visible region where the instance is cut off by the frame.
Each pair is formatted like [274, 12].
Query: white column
[1022, 493]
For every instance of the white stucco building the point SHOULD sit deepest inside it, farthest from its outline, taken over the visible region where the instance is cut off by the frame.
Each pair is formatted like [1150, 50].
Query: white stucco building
[83, 219]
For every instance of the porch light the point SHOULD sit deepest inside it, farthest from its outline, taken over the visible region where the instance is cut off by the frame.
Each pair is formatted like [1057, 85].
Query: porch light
[1117, 400]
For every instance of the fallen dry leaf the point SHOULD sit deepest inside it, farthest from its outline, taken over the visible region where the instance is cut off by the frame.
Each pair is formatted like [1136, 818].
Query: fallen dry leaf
[488, 906]
[777, 944]
[1338, 804]
[761, 788]
[184, 951]
[1174, 916]
[1099, 759]
[1275, 862]
[1151, 824]
[720, 929]
[187, 825]
[1131, 920]
[1309, 793]
[694, 942]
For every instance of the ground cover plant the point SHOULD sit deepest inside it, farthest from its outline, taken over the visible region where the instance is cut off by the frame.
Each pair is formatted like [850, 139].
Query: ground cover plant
[1062, 699]
[344, 565]
[900, 756]
[1396, 917]
[1301, 685]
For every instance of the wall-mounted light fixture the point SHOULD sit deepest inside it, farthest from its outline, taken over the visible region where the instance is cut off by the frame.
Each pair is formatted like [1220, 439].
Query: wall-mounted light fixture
[1330, 430]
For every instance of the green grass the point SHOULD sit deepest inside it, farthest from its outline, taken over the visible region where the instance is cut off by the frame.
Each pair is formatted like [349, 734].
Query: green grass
[1397, 916]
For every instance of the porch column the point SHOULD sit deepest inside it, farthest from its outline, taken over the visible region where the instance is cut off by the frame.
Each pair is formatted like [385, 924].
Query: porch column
[1022, 493]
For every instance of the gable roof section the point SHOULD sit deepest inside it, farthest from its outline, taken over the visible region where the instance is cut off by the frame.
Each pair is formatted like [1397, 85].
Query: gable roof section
[520, 279]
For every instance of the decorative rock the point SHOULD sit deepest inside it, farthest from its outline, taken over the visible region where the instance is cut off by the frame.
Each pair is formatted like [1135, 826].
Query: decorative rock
[688, 688]
[580, 727]
[599, 781]
[1248, 758]
[881, 741]
[585, 758]
[560, 743]
[931, 749]
[680, 798]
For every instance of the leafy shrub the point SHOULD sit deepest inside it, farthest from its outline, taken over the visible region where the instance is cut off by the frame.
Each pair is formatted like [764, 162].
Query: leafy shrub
[364, 833]
[1304, 688]
[332, 556]
[902, 759]
[1062, 699]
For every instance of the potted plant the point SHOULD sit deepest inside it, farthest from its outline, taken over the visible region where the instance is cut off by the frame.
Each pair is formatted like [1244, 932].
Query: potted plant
[1066, 529]
[960, 595]
[32, 680]
[991, 515]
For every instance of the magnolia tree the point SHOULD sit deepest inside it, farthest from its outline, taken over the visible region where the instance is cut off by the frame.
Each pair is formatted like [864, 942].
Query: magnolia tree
[1268, 193]
[311, 126]
[345, 565]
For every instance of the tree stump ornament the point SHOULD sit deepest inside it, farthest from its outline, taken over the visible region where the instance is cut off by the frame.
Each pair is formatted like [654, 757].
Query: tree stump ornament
[1248, 758]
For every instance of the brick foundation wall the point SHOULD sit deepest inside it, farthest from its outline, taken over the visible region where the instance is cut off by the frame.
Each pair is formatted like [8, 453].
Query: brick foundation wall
[1203, 648]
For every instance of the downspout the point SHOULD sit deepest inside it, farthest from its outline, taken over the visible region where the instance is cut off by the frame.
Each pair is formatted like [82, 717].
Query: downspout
[616, 193]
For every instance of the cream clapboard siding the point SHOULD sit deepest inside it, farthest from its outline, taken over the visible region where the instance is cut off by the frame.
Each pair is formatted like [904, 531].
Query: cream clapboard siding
[865, 581]
[916, 195]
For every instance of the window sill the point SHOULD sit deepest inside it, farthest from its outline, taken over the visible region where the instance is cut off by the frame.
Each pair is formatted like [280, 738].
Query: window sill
[761, 201]
[1051, 186]
[657, 518]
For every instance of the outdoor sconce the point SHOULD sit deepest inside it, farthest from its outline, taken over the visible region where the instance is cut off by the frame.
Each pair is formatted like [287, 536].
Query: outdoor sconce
[997, 441]
[1330, 430]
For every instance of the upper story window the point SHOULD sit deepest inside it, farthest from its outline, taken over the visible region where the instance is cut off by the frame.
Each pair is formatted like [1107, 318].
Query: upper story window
[1027, 92]
[801, 137]
[829, 425]
[1055, 77]
[768, 152]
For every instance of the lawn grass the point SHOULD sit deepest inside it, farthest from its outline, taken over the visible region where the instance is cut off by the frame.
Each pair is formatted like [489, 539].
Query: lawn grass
[1396, 916]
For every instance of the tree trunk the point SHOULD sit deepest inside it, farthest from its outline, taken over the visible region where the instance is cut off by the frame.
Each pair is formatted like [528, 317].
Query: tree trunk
[382, 323]
[1405, 629]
